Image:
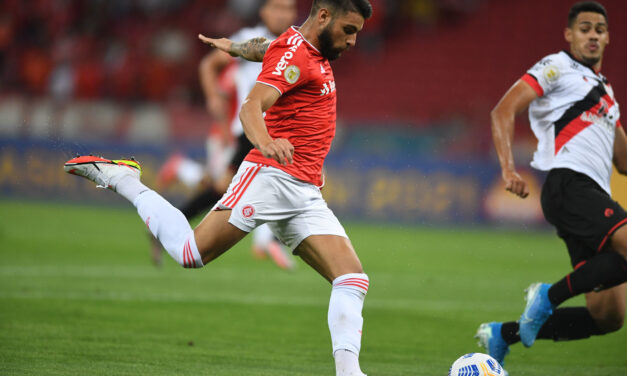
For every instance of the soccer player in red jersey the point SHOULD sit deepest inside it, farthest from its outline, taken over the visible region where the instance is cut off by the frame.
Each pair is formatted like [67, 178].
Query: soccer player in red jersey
[574, 114]
[279, 181]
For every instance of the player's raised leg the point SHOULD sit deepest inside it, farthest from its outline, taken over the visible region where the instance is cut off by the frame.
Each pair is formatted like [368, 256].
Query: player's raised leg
[165, 222]
[335, 259]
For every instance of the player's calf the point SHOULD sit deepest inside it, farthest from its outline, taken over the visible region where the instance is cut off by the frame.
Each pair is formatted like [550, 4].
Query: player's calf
[607, 308]
[346, 322]
[163, 220]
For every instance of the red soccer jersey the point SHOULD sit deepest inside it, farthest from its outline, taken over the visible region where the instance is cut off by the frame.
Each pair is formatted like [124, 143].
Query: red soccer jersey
[304, 114]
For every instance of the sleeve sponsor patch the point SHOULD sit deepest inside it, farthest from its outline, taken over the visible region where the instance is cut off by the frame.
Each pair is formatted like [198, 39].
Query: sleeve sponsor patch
[551, 73]
[292, 73]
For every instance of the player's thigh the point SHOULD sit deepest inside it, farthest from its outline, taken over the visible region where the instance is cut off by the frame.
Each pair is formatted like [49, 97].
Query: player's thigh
[330, 255]
[607, 307]
[619, 241]
[215, 235]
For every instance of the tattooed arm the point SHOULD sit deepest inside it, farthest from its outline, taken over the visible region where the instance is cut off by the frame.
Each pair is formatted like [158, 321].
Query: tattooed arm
[252, 49]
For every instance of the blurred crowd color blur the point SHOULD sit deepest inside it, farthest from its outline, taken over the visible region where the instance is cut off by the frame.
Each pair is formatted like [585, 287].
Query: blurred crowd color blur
[423, 63]
[418, 87]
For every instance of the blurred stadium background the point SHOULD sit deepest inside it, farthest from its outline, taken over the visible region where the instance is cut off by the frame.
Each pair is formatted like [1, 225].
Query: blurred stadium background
[413, 142]
[119, 78]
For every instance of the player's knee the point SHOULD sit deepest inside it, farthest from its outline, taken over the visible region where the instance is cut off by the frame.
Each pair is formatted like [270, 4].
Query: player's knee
[619, 241]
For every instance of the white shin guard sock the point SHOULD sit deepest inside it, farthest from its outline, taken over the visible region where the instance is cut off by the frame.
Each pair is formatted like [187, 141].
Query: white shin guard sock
[170, 226]
[346, 322]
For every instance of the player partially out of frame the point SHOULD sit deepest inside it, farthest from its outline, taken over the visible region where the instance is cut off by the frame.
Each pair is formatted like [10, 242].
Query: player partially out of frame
[574, 115]
[279, 181]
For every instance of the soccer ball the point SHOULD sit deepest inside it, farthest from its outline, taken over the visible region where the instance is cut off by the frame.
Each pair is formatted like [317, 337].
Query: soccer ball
[476, 364]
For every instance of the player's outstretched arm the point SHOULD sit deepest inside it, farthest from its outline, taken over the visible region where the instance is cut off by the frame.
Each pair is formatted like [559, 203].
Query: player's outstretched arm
[251, 50]
[503, 116]
[209, 70]
[620, 150]
[260, 99]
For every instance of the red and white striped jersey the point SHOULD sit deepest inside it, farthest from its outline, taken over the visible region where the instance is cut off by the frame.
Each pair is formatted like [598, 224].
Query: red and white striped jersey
[574, 117]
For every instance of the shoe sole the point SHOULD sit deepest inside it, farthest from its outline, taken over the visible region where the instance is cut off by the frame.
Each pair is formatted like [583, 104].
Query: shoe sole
[90, 159]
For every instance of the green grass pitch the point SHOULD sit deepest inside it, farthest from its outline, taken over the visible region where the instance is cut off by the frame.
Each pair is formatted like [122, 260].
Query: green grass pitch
[78, 296]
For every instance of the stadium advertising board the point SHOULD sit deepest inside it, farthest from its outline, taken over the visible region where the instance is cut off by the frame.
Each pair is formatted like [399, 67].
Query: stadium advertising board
[357, 188]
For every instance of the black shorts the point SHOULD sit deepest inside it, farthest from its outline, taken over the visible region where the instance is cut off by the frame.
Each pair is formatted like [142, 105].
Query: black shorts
[583, 213]
[243, 147]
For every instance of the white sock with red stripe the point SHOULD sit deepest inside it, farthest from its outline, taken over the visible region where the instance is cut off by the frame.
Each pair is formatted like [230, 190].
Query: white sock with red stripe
[345, 321]
[170, 226]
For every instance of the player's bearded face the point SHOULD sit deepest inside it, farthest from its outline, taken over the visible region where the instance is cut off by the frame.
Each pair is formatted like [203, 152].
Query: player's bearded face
[327, 47]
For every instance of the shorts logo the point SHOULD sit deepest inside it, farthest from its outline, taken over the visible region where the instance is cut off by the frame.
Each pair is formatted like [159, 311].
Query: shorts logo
[609, 212]
[248, 211]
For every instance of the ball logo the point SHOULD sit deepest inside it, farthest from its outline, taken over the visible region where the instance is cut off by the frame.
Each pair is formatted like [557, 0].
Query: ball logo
[609, 212]
[248, 211]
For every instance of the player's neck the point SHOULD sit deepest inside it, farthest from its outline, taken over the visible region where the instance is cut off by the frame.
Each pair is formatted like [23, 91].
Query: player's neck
[310, 32]
[596, 67]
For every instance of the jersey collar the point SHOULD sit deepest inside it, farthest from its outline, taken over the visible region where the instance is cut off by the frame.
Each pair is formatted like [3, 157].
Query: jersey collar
[295, 28]
[581, 62]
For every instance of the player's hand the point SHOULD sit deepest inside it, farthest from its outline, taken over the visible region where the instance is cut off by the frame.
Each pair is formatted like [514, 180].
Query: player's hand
[280, 149]
[516, 184]
[222, 44]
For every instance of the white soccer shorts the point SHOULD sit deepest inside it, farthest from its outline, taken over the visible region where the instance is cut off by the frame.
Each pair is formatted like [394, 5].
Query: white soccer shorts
[293, 209]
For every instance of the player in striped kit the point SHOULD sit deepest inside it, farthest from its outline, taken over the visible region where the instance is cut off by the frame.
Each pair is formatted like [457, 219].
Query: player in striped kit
[575, 116]
[289, 116]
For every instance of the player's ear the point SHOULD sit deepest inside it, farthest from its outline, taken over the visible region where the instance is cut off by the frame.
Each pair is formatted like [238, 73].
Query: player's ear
[608, 38]
[324, 17]
[568, 34]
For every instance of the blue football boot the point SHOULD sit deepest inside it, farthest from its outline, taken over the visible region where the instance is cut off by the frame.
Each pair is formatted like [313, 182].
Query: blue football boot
[537, 311]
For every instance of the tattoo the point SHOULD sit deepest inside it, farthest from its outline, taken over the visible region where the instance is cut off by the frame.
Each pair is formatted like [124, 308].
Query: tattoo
[252, 49]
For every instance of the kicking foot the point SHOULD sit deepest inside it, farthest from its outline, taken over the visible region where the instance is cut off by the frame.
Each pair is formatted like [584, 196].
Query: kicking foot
[537, 311]
[490, 338]
[104, 172]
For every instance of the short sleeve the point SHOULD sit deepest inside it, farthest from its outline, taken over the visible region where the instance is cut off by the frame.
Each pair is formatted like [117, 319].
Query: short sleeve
[285, 67]
[544, 76]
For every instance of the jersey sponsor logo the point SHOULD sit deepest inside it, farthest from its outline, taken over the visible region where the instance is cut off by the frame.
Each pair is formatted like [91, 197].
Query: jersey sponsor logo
[295, 41]
[328, 88]
[601, 115]
[248, 211]
[551, 73]
[292, 73]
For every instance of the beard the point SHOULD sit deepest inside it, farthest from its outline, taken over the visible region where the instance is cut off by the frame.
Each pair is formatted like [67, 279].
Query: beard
[590, 61]
[326, 44]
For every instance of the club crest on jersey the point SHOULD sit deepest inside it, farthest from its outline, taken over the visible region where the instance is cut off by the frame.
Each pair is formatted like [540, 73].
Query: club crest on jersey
[292, 73]
[551, 73]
